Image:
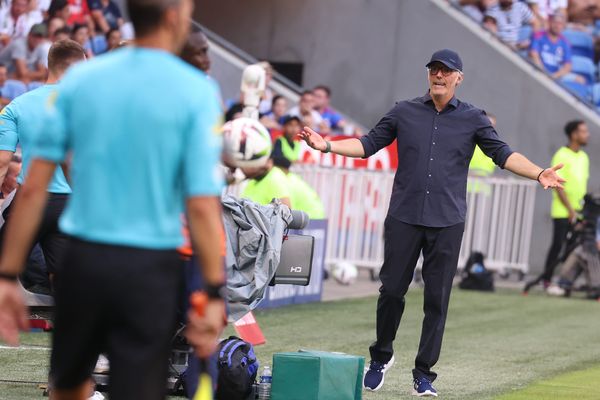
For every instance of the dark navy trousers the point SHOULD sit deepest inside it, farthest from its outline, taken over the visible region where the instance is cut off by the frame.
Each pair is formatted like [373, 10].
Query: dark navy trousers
[403, 245]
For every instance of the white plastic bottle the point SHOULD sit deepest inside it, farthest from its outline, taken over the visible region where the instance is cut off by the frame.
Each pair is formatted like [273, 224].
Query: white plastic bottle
[264, 385]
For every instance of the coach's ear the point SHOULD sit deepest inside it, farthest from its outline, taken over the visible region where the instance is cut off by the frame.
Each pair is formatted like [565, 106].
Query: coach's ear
[459, 80]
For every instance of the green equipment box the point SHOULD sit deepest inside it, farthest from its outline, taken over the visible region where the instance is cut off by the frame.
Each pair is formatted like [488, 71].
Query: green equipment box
[317, 375]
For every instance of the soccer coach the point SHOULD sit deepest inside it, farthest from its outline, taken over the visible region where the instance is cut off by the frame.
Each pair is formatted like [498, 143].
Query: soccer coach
[436, 135]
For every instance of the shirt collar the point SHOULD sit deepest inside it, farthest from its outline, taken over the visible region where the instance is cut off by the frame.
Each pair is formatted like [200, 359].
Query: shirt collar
[427, 99]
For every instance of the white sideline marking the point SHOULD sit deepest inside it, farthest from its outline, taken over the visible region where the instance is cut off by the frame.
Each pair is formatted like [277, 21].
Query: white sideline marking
[24, 348]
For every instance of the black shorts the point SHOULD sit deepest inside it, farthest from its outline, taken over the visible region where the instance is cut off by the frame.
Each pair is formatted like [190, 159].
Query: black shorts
[121, 301]
[51, 240]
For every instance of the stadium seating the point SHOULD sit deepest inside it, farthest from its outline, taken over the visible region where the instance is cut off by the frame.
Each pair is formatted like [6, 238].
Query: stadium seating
[578, 89]
[13, 88]
[34, 85]
[98, 44]
[582, 43]
[585, 67]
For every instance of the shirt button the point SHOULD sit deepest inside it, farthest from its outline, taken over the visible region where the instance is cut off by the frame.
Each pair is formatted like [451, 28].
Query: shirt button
[435, 127]
[429, 175]
[428, 192]
[438, 113]
[431, 159]
[433, 142]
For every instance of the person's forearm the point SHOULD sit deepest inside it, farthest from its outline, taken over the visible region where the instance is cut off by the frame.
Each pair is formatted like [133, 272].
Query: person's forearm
[535, 58]
[564, 200]
[563, 71]
[38, 75]
[206, 231]
[98, 17]
[5, 157]
[520, 165]
[348, 147]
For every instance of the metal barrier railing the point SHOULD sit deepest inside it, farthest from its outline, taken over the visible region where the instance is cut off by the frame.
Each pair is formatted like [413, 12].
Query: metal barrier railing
[499, 218]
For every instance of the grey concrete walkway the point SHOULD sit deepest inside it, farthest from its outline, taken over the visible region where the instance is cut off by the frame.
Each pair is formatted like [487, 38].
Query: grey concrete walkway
[364, 287]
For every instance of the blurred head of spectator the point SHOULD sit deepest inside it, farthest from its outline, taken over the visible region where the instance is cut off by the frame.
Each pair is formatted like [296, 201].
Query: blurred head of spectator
[11, 19]
[322, 98]
[37, 36]
[62, 34]
[322, 95]
[543, 9]
[489, 23]
[272, 119]
[510, 17]
[307, 102]
[550, 50]
[195, 50]
[291, 127]
[556, 24]
[578, 133]
[81, 34]
[306, 112]
[583, 13]
[55, 24]
[18, 8]
[268, 70]
[113, 39]
[59, 9]
[258, 172]
[278, 107]
[234, 112]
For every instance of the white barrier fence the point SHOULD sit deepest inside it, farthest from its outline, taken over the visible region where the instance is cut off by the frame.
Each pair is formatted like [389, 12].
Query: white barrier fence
[499, 216]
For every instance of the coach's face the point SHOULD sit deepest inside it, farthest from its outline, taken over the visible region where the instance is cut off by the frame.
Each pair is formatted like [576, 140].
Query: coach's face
[443, 80]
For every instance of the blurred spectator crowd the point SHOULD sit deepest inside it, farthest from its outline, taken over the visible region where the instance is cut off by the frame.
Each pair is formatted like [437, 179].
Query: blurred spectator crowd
[561, 37]
[29, 27]
[313, 110]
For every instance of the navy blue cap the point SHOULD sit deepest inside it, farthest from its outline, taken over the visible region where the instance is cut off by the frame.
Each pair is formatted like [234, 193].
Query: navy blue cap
[447, 57]
[286, 119]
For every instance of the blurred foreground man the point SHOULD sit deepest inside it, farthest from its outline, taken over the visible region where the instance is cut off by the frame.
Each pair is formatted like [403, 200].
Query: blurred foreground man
[120, 279]
[436, 135]
[19, 125]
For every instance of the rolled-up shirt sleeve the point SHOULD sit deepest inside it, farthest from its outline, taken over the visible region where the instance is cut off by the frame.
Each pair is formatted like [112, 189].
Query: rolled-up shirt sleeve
[490, 143]
[382, 135]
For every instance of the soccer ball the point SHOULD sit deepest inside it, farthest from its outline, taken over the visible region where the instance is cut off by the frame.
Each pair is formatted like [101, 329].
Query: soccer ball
[246, 143]
[344, 273]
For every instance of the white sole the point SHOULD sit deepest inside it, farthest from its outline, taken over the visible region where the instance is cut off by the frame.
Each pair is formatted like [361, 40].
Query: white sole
[426, 393]
[385, 369]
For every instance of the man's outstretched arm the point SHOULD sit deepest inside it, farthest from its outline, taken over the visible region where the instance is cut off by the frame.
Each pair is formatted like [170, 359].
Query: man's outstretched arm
[347, 147]
[547, 177]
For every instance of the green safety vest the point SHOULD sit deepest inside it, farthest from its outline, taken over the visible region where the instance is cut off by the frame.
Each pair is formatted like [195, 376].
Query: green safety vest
[291, 152]
[304, 197]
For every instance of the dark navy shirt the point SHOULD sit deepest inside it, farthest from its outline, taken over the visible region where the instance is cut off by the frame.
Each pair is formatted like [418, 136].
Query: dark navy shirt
[434, 151]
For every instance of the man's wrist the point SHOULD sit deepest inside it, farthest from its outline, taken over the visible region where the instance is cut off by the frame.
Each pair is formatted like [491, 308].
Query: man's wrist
[540, 174]
[216, 292]
[327, 147]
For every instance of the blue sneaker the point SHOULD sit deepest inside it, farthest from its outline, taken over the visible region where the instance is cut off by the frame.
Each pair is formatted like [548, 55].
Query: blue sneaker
[375, 374]
[423, 388]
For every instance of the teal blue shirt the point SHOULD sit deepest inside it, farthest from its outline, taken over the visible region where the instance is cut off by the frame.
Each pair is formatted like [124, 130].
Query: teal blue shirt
[20, 121]
[143, 128]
